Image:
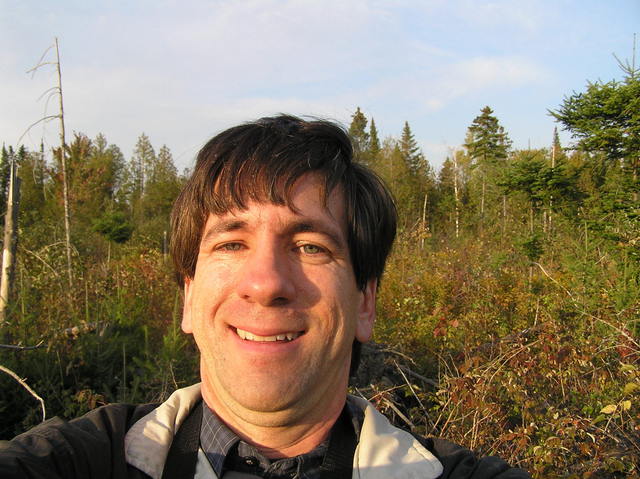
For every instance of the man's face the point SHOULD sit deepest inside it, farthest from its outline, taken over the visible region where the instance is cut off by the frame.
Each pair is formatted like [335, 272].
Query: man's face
[274, 308]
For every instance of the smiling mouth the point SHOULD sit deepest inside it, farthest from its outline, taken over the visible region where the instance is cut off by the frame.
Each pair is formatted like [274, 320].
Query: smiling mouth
[247, 336]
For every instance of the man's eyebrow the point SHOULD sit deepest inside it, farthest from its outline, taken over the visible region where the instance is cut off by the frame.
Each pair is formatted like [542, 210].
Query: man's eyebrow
[223, 226]
[310, 226]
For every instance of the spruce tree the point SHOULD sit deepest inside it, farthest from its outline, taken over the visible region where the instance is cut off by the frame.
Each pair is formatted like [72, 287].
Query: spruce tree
[606, 119]
[487, 141]
[358, 132]
[487, 144]
[374, 140]
[411, 152]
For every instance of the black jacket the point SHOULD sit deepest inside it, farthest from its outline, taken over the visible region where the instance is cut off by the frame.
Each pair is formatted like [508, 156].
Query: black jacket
[92, 447]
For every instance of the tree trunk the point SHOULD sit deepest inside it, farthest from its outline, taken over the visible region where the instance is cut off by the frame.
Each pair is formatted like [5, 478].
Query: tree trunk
[10, 240]
[424, 227]
[504, 214]
[455, 194]
[65, 180]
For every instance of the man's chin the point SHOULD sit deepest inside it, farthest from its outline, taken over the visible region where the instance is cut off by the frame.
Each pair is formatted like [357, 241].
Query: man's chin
[272, 400]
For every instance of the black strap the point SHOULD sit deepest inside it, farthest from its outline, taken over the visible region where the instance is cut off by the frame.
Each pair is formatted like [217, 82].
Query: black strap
[338, 462]
[183, 455]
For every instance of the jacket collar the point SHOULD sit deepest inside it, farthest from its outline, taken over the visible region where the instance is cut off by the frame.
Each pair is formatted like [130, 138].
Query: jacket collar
[384, 451]
[147, 442]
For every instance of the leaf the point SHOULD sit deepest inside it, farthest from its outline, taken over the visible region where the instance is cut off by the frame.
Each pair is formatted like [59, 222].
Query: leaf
[599, 418]
[630, 388]
[627, 367]
[625, 405]
[609, 409]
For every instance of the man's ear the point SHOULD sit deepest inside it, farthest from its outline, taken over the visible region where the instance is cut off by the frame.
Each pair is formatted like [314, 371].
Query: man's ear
[186, 307]
[367, 312]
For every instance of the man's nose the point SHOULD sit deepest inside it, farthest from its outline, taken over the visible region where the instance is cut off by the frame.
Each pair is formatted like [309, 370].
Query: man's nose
[266, 278]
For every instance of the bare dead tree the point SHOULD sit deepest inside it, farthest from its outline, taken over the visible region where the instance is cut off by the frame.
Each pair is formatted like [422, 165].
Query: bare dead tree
[57, 90]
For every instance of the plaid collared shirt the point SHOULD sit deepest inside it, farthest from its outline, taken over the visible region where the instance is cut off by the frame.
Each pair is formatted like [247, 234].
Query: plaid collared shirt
[227, 452]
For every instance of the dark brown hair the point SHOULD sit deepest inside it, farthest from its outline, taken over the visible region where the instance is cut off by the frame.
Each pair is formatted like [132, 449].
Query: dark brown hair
[261, 161]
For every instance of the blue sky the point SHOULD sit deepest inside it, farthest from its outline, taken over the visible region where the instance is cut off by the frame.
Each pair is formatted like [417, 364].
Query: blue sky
[181, 71]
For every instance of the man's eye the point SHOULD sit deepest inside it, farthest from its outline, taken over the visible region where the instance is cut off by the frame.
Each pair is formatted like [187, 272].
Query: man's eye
[311, 249]
[231, 247]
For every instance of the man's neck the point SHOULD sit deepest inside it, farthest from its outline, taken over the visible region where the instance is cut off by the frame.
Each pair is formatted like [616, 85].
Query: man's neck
[274, 437]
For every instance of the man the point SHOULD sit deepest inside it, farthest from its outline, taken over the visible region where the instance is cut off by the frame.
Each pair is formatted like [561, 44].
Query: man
[279, 240]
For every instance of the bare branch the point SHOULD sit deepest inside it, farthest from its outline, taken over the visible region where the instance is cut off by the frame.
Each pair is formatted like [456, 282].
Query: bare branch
[46, 118]
[549, 276]
[26, 386]
[47, 91]
[40, 63]
[404, 369]
[42, 261]
[399, 412]
[49, 97]
[22, 348]
[393, 351]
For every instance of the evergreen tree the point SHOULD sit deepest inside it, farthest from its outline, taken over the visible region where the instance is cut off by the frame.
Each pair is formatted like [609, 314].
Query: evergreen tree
[411, 153]
[374, 141]
[487, 141]
[5, 172]
[606, 119]
[358, 133]
[556, 148]
[162, 188]
[445, 188]
[141, 166]
[487, 144]
[33, 184]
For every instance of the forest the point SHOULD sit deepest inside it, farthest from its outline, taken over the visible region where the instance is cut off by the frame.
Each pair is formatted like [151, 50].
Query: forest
[508, 316]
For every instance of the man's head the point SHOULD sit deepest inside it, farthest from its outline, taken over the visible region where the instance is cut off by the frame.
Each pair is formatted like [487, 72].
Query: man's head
[279, 239]
[261, 161]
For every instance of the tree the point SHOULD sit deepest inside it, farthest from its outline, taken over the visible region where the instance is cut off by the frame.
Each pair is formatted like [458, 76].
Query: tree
[162, 188]
[114, 226]
[358, 132]
[606, 119]
[487, 143]
[5, 168]
[531, 175]
[450, 189]
[557, 152]
[141, 165]
[411, 152]
[374, 140]
[33, 187]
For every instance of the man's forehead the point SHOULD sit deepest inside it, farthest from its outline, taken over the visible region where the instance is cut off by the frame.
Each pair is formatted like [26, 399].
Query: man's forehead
[308, 212]
[257, 210]
[309, 194]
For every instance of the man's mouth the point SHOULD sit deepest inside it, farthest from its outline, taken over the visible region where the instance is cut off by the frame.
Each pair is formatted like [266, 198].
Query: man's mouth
[247, 336]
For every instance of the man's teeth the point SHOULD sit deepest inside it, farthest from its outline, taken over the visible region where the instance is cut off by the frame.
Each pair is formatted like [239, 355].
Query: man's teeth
[254, 337]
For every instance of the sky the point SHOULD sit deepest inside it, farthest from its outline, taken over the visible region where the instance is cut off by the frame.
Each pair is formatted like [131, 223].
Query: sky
[182, 71]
